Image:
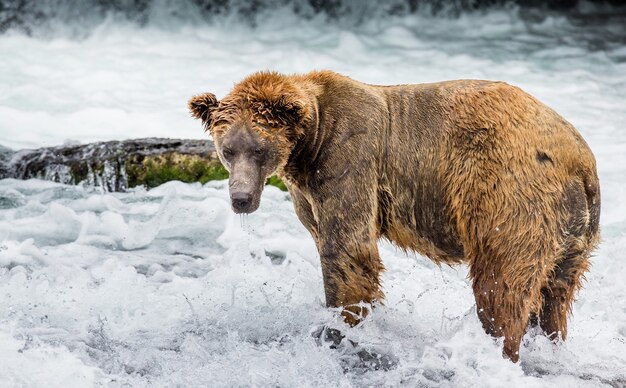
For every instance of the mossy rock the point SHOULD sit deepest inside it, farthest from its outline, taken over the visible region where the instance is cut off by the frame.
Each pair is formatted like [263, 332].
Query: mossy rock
[152, 171]
[118, 165]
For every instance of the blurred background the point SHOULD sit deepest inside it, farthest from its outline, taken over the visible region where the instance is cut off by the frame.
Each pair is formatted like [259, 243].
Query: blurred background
[111, 277]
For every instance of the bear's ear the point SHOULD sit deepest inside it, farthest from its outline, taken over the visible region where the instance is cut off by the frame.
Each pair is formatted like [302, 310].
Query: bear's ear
[287, 111]
[201, 107]
[292, 112]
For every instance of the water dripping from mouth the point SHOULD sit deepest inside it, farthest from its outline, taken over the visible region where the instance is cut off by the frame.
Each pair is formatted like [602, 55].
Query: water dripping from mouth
[244, 224]
[245, 227]
[243, 221]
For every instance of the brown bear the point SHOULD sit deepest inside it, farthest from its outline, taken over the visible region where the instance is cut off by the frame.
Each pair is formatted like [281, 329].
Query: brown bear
[466, 171]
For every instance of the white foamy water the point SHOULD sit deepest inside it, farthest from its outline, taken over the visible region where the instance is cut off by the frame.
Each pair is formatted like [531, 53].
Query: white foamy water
[167, 287]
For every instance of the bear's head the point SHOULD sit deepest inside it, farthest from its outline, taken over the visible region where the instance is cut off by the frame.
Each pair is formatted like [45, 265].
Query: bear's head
[254, 128]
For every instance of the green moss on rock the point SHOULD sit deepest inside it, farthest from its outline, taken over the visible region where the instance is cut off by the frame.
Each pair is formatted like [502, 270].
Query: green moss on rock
[276, 181]
[152, 171]
[155, 170]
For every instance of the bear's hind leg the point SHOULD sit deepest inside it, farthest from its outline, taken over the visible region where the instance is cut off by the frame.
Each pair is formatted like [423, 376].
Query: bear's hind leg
[581, 203]
[560, 290]
[505, 299]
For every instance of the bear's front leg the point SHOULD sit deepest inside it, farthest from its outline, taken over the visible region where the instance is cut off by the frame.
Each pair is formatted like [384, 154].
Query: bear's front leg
[351, 266]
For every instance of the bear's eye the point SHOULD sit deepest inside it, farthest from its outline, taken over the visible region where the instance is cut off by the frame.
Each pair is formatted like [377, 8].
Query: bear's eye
[227, 152]
[259, 155]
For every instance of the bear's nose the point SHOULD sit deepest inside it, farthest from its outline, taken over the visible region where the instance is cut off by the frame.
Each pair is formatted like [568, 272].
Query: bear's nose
[241, 201]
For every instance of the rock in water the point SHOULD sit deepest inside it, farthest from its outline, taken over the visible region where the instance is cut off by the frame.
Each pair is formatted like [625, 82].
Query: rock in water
[5, 158]
[117, 165]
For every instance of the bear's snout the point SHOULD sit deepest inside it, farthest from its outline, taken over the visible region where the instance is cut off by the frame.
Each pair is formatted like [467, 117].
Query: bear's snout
[241, 202]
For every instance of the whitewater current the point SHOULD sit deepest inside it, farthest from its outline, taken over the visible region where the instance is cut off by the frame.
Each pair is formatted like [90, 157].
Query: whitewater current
[168, 287]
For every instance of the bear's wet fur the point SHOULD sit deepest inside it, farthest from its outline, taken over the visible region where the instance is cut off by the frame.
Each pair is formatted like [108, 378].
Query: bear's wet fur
[465, 171]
